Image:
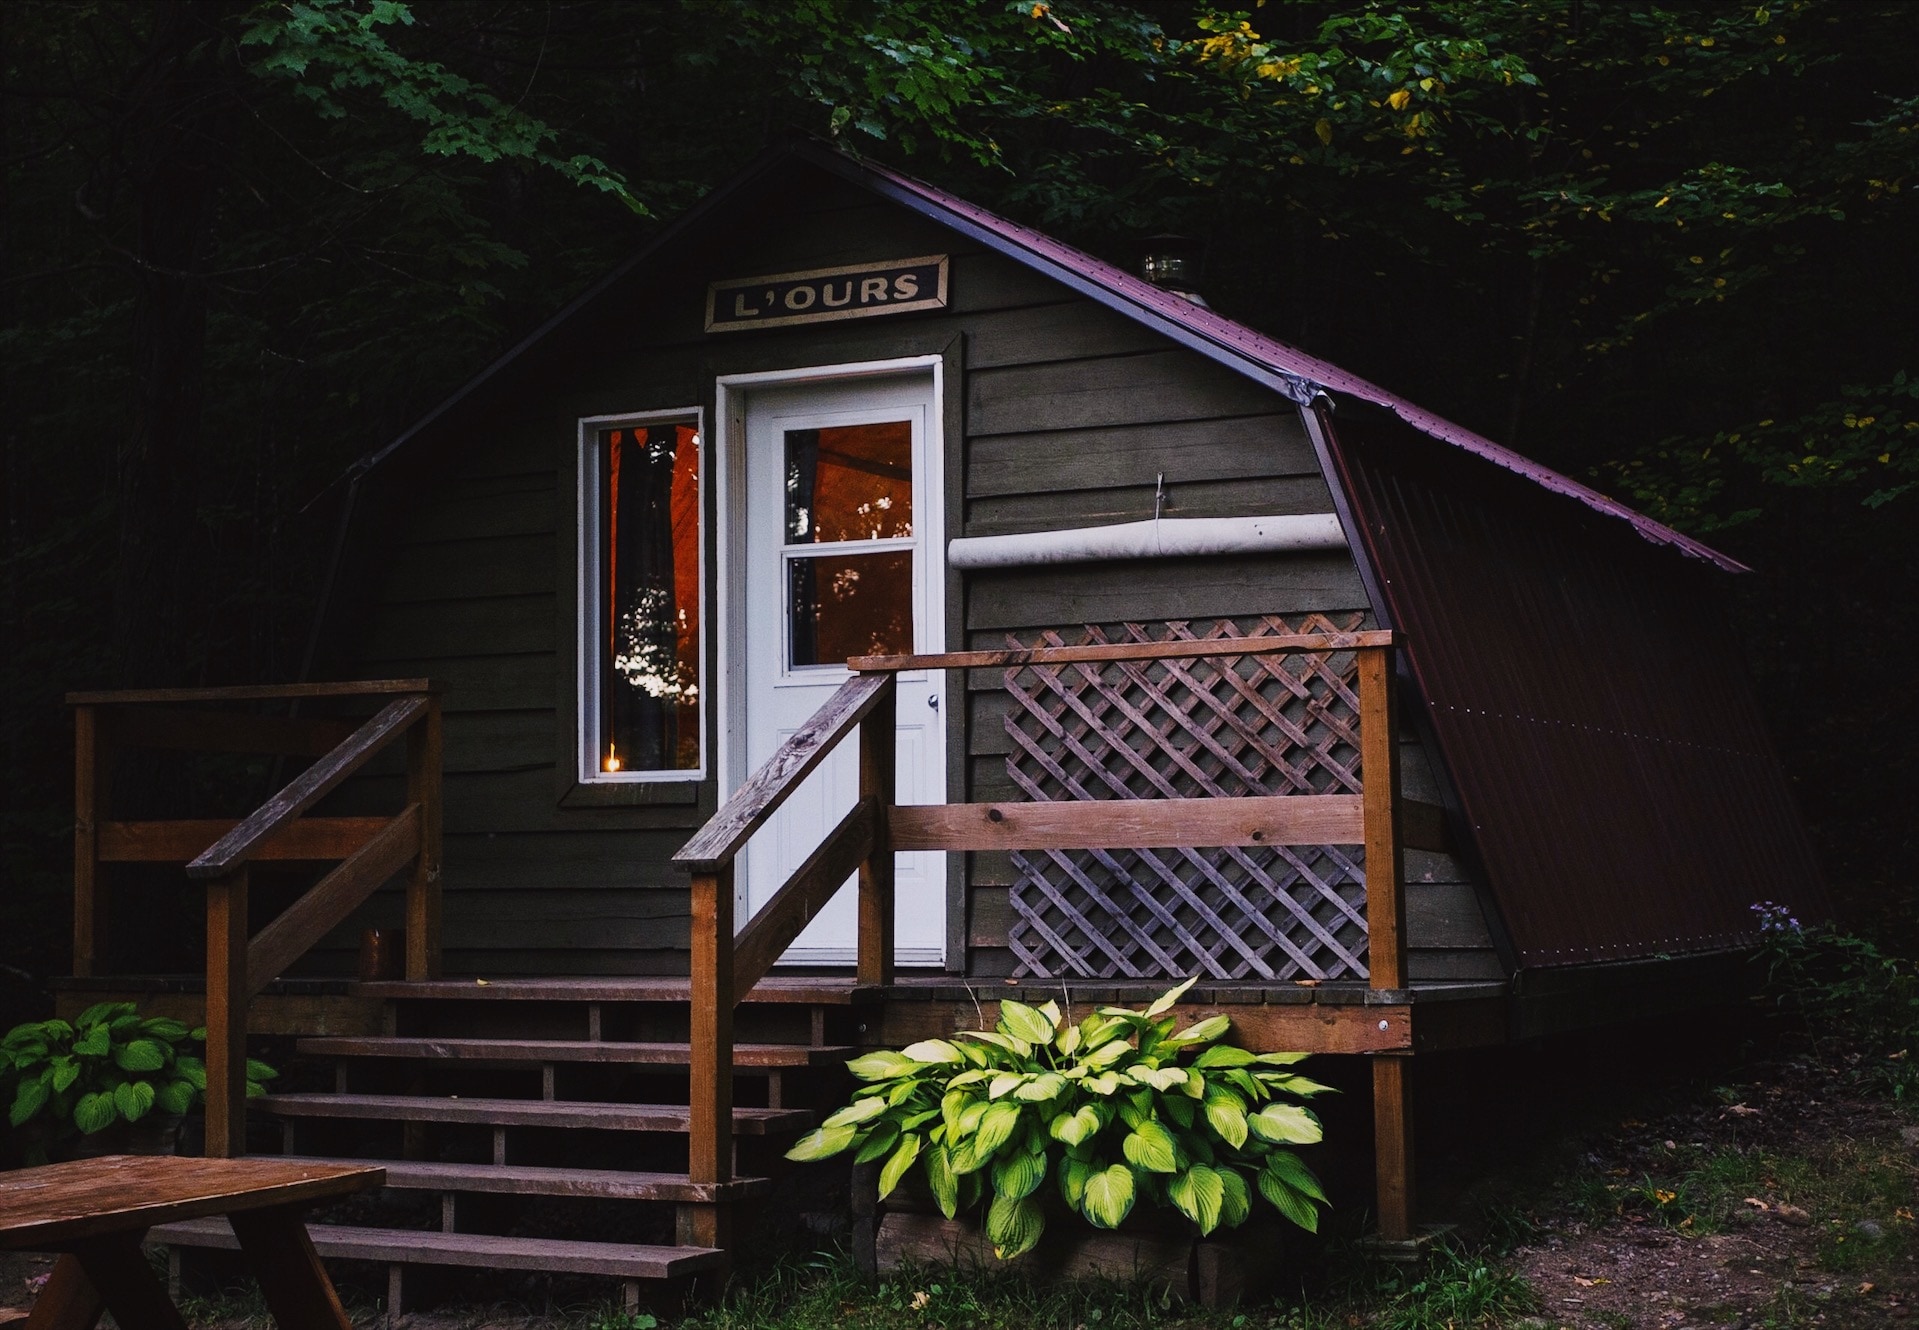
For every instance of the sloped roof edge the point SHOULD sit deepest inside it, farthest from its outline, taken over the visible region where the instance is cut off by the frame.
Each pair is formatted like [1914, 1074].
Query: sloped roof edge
[1286, 369]
[1225, 340]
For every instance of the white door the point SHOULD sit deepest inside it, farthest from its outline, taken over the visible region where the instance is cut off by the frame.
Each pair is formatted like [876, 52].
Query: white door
[843, 557]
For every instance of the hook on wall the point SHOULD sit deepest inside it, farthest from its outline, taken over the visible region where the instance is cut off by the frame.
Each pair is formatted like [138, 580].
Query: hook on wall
[1159, 496]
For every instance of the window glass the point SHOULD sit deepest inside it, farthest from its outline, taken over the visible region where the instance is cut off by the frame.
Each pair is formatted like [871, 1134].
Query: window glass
[843, 605]
[648, 668]
[849, 482]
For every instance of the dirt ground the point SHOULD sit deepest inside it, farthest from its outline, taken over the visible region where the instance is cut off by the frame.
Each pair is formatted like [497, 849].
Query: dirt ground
[1769, 1204]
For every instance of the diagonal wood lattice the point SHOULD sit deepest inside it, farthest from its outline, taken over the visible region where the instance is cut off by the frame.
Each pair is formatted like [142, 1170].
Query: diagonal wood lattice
[1219, 726]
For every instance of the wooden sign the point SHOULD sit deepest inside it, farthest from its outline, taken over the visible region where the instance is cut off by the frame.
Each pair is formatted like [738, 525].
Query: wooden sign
[855, 292]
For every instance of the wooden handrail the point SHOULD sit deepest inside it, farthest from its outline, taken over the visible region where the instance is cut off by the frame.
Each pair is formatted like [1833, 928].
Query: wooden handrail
[220, 852]
[1111, 651]
[253, 692]
[720, 840]
[725, 967]
[308, 788]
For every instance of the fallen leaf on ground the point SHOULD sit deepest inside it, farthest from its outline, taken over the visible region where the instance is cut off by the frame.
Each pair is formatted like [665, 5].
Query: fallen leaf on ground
[1792, 1214]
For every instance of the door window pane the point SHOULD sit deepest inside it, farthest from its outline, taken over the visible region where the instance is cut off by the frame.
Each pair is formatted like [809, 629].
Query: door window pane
[842, 605]
[849, 482]
[649, 584]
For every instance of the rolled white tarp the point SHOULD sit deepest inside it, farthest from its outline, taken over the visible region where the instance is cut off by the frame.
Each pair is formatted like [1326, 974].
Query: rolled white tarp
[1159, 538]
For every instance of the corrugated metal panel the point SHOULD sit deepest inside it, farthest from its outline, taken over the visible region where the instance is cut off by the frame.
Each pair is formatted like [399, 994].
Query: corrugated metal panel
[1589, 702]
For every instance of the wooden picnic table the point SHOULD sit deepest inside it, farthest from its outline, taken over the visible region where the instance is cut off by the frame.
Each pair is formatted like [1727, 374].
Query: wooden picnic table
[94, 1212]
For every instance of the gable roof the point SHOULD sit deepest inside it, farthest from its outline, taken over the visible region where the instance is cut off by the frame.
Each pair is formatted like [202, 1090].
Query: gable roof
[1286, 369]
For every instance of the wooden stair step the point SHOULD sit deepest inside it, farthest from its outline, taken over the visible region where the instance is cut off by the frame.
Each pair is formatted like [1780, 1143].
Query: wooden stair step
[529, 1180]
[822, 992]
[574, 1113]
[745, 1056]
[407, 1246]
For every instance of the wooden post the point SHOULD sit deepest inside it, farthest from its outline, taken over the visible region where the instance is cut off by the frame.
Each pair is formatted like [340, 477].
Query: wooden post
[1379, 767]
[86, 840]
[879, 753]
[1393, 1146]
[425, 748]
[710, 1089]
[226, 1051]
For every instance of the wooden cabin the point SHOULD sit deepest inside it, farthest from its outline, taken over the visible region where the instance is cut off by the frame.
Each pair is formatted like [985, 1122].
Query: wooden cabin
[859, 608]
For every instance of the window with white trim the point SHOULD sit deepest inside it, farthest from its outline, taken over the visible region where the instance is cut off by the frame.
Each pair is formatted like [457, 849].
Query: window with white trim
[642, 663]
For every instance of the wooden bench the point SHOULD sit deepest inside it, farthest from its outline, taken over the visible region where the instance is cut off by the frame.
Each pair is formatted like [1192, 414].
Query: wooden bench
[94, 1212]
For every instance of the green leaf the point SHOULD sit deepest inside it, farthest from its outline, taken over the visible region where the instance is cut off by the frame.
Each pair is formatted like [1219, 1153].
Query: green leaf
[1226, 1115]
[1103, 1084]
[1164, 1002]
[175, 1097]
[96, 1043]
[1290, 1169]
[879, 1141]
[1303, 1086]
[1050, 1010]
[895, 1168]
[101, 1013]
[95, 1112]
[1042, 1089]
[260, 1071]
[1023, 1022]
[1224, 1055]
[1019, 1048]
[934, 1051]
[941, 1178]
[1005, 1083]
[860, 1110]
[1201, 1032]
[995, 1129]
[1280, 1059]
[1200, 1195]
[1151, 1147]
[141, 1055]
[1072, 1128]
[822, 1143]
[1287, 1124]
[1014, 1225]
[1109, 1196]
[882, 1065]
[1287, 1201]
[133, 1099]
[952, 1104]
[65, 1072]
[192, 1071]
[1236, 1200]
[1073, 1177]
[1018, 1173]
[164, 1028]
[1107, 1054]
[29, 1099]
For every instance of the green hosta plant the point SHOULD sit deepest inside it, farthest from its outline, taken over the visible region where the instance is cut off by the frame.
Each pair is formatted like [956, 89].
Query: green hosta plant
[109, 1065]
[1115, 1109]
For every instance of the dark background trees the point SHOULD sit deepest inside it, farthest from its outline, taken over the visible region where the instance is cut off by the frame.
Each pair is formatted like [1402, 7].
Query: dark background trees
[1666, 248]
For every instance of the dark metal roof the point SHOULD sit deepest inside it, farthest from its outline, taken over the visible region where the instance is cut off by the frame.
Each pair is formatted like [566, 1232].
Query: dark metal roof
[1588, 698]
[1284, 367]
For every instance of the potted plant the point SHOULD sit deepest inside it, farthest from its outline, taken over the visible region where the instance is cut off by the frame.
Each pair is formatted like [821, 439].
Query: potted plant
[110, 1081]
[1117, 1109]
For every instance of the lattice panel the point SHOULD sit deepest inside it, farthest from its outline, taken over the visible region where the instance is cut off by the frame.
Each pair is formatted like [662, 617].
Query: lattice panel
[1219, 726]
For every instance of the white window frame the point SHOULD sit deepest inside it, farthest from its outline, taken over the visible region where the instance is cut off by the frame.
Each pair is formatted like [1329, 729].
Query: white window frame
[586, 615]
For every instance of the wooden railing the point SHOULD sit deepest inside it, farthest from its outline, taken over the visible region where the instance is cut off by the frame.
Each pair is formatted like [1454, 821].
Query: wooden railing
[220, 852]
[725, 967]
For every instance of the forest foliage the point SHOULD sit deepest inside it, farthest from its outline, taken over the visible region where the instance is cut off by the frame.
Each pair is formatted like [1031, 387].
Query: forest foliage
[1667, 248]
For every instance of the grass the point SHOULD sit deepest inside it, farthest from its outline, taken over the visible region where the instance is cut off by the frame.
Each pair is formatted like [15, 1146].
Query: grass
[1455, 1290]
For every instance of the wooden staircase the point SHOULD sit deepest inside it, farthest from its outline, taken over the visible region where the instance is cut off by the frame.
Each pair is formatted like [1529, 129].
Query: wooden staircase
[489, 1102]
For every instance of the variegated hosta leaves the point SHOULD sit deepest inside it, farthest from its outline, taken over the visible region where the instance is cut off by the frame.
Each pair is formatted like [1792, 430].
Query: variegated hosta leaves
[1115, 1108]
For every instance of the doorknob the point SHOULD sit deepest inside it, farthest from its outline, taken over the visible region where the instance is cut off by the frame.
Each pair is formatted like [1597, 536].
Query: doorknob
[933, 701]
